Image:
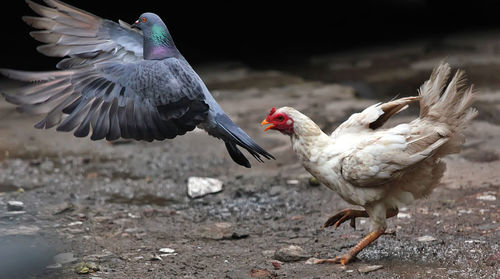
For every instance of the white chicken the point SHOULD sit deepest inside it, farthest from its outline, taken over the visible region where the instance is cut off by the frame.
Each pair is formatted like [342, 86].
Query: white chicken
[382, 169]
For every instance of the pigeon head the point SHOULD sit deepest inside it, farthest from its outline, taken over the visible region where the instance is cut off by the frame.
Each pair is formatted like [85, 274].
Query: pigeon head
[158, 43]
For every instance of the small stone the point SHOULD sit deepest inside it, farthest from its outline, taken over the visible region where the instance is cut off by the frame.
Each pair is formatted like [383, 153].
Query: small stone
[15, 206]
[167, 250]
[64, 258]
[403, 215]
[276, 264]
[311, 260]
[291, 253]
[292, 182]
[202, 186]
[487, 197]
[313, 181]
[369, 268]
[426, 238]
[76, 223]
[86, 267]
[54, 266]
[155, 258]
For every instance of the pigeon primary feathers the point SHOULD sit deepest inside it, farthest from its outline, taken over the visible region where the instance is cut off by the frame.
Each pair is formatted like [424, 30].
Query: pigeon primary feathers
[119, 82]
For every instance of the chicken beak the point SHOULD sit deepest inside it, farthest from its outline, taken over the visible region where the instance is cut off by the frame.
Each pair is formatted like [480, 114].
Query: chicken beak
[265, 122]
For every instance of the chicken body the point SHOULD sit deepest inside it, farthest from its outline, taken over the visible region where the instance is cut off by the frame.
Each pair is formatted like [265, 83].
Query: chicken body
[383, 169]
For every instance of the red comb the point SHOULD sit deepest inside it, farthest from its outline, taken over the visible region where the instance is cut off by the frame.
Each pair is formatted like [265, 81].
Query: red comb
[273, 110]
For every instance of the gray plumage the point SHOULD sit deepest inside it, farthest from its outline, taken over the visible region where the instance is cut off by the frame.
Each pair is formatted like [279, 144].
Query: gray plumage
[116, 81]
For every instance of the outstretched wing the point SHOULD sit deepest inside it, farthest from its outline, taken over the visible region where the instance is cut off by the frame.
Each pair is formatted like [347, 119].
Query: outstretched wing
[83, 37]
[144, 100]
[373, 117]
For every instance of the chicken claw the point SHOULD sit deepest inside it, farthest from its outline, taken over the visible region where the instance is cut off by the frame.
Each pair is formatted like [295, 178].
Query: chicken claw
[352, 214]
[344, 215]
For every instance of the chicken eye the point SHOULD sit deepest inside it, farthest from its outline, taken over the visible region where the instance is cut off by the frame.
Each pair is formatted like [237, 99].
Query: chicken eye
[281, 118]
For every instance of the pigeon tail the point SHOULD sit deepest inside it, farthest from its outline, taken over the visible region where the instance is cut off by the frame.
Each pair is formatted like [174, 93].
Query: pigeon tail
[234, 135]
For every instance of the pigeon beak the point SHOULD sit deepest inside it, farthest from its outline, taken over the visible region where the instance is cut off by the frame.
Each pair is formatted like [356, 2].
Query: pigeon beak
[135, 23]
[265, 122]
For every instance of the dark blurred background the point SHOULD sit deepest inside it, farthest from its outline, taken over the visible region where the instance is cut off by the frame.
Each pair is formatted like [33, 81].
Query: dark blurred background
[267, 33]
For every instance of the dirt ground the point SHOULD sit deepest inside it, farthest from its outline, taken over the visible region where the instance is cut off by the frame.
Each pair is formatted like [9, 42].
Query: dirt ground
[112, 207]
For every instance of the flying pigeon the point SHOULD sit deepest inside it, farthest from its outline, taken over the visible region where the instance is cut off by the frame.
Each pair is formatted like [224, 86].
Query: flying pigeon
[117, 81]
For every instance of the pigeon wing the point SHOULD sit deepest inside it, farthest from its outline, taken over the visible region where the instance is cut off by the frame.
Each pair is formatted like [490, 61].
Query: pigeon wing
[144, 100]
[81, 36]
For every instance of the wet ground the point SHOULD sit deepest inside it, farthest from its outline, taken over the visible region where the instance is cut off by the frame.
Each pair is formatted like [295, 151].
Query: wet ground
[112, 207]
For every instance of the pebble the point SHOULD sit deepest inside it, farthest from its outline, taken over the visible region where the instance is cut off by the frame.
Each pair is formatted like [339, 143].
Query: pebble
[54, 266]
[426, 238]
[156, 258]
[369, 268]
[167, 250]
[198, 187]
[291, 253]
[15, 206]
[313, 181]
[487, 197]
[276, 264]
[292, 182]
[64, 258]
[403, 215]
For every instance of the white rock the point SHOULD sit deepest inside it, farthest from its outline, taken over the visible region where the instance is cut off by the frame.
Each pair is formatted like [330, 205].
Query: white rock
[15, 205]
[487, 197]
[292, 182]
[76, 223]
[426, 238]
[167, 250]
[403, 215]
[201, 186]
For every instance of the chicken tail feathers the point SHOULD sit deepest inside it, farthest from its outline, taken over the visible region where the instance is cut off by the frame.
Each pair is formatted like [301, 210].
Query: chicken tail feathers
[447, 104]
[234, 135]
[447, 101]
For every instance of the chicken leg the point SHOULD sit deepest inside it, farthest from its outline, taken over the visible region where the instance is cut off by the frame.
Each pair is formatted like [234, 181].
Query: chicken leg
[345, 259]
[351, 214]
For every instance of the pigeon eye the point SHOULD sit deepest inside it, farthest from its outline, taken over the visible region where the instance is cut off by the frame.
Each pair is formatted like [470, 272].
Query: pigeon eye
[143, 19]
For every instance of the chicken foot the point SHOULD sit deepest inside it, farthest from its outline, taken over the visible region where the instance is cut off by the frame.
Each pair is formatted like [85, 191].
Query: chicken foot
[345, 259]
[352, 214]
